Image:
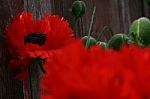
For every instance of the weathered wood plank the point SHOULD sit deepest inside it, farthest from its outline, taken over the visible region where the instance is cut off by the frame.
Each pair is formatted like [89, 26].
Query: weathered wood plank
[10, 88]
[38, 8]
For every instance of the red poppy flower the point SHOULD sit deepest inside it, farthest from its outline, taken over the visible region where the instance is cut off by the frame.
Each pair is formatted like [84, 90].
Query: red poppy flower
[60, 34]
[26, 35]
[76, 72]
[137, 60]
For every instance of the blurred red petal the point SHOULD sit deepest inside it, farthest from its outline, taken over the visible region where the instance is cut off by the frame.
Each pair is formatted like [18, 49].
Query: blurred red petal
[81, 73]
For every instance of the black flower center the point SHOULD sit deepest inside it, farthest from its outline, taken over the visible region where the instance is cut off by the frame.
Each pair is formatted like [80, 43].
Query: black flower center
[35, 38]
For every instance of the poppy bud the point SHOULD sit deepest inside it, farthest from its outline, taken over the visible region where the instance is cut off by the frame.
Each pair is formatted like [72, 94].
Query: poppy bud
[140, 31]
[118, 40]
[102, 44]
[78, 8]
[92, 41]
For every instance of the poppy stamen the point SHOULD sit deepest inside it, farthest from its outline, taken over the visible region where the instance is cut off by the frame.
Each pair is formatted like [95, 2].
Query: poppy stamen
[35, 38]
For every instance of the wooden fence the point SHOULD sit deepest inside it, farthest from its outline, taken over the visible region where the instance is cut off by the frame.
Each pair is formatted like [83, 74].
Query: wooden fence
[118, 14]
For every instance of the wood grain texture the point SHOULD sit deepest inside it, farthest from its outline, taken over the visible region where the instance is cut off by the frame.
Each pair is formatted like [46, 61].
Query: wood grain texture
[9, 88]
[38, 8]
[118, 14]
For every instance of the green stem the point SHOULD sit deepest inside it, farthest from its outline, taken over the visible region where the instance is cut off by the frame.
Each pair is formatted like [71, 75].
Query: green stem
[30, 78]
[40, 64]
[34, 76]
[90, 28]
[76, 24]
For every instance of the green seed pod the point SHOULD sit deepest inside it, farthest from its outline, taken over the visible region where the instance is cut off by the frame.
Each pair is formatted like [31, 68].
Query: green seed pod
[140, 31]
[102, 44]
[92, 41]
[118, 40]
[78, 8]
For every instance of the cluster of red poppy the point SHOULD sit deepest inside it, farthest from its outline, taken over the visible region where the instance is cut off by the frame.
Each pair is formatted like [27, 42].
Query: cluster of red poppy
[76, 72]
[27, 37]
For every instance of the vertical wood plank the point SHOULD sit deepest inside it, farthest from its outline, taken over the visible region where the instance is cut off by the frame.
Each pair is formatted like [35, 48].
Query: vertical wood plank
[8, 86]
[136, 9]
[126, 15]
[38, 8]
